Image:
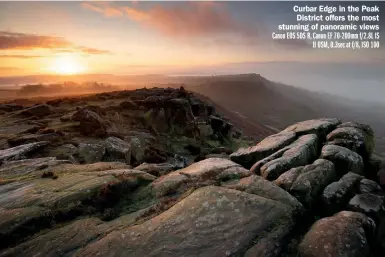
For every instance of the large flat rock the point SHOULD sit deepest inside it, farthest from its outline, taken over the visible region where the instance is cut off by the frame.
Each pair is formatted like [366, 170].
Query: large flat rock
[248, 156]
[32, 201]
[32, 167]
[264, 188]
[207, 171]
[321, 127]
[21, 151]
[212, 221]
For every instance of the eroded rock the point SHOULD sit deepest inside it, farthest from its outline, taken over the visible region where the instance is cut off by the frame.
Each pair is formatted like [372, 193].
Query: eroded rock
[90, 122]
[344, 159]
[344, 234]
[21, 151]
[32, 138]
[287, 179]
[27, 167]
[312, 181]
[337, 194]
[157, 169]
[321, 127]
[368, 204]
[248, 156]
[90, 153]
[118, 149]
[40, 110]
[219, 222]
[369, 186]
[357, 137]
[207, 171]
[303, 151]
[259, 186]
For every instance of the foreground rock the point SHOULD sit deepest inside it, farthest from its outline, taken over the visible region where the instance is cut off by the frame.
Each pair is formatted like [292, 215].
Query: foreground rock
[259, 186]
[312, 181]
[40, 110]
[248, 156]
[118, 149]
[299, 153]
[90, 153]
[336, 195]
[320, 127]
[156, 169]
[344, 159]
[21, 151]
[29, 167]
[353, 137]
[218, 221]
[90, 122]
[365, 145]
[32, 203]
[344, 234]
[205, 172]
[287, 179]
[368, 204]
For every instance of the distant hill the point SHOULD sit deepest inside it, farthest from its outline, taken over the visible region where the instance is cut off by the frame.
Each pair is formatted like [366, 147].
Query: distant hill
[276, 105]
[257, 105]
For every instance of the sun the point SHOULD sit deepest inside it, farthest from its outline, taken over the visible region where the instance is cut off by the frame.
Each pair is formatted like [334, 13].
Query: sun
[67, 65]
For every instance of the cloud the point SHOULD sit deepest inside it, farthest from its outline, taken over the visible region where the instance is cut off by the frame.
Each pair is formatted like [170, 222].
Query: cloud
[103, 8]
[8, 69]
[194, 19]
[20, 56]
[24, 41]
[198, 23]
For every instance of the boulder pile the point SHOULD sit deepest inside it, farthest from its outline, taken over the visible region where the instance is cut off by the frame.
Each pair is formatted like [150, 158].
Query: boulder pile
[115, 180]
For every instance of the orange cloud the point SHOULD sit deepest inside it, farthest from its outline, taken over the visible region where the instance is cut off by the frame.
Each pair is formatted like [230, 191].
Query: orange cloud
[20, 56]
[194, 19]
[103, 8]
[23, 41]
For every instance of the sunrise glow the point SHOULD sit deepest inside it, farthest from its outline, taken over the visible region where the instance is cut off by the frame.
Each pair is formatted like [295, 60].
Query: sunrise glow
[67, 65]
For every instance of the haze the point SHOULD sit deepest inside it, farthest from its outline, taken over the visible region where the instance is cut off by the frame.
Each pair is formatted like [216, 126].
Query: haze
[176, 38]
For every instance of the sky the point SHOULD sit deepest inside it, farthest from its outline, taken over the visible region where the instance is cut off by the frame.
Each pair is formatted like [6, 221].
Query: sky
[135, 37]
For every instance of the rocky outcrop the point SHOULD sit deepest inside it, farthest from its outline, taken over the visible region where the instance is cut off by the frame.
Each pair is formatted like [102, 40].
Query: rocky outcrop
[287, 179]
[182, 198]
[90, 153]
[369, 186]
[90, 122]
[259, 186]
[368, 204]
[320, 127]
[157, 169]
[344, 234]
[205, 172]
[33, 201]
[31, 138]
[336, 195]
[312, 180]
[220, 222]
[248, 156]
[355, 136]
[299, 153]
[10, 107]
[21, 151]
[118, 149]
[344, 159]
[40, 110]
[13, 170]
